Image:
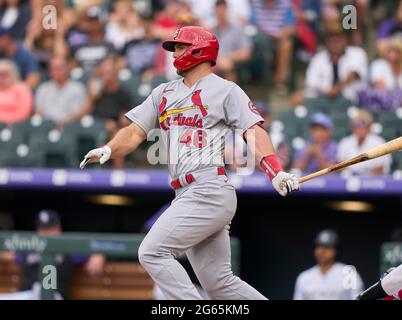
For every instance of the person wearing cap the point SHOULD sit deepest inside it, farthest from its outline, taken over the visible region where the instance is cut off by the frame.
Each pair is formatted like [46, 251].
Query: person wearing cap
[94, 48]
[320, 150]
[338, 70]
[24, 59]
[361, 140]
[329, 279]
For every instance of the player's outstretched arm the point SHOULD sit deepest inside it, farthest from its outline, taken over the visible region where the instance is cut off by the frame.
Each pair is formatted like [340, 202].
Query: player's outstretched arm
[125, 141]
[261, 145]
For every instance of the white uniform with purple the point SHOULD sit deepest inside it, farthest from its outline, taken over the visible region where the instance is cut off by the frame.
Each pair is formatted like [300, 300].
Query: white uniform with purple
[194, 122]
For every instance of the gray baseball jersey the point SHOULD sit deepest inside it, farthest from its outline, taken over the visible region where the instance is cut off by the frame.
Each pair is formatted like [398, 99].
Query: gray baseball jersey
[195, 121]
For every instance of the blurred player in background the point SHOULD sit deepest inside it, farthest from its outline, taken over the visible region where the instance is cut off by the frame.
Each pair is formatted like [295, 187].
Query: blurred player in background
[327, 280]
[48, 224]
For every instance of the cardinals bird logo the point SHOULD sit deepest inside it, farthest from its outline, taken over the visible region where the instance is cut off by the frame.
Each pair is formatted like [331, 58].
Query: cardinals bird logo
[196, 100]
[162, 106]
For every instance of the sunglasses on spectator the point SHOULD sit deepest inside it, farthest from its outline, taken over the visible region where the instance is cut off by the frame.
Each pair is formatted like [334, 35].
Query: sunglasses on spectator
[360, 124]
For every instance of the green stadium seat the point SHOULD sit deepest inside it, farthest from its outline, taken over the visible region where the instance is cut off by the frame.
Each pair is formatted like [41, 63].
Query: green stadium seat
[390, 120]
[397, 161]
[339, 133]
[88, 133]
[22, 156]
[327, 105]
[156, 81]
[59, 148]
[9, 140]
[32, 126]
[389, 133]
[131, 82]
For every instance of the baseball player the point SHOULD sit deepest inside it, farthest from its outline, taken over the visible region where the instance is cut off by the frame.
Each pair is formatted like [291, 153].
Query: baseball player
[193, 113]
[389, 286]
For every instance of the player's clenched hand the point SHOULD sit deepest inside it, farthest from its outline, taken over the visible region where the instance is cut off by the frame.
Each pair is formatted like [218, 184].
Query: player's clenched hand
[285, 183]
[100, 155]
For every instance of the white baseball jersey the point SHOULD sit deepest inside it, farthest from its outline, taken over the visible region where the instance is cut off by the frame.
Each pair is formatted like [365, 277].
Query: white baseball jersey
[348, 148]
[341, 282]
[392, 283]
[196, 120]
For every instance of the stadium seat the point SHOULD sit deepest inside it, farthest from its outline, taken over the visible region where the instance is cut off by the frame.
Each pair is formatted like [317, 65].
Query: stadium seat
[9, 139]
[88, 133]
[397, 160]
[339, 133]
[131, 82]
[32, 126]
[22, 155]
[327, 105]
[390, 120]
[156, 81]
[120, 280]
[389, 133]
[59, 148]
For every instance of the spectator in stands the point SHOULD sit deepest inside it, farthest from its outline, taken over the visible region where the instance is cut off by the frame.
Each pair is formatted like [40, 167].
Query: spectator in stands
[165, 25]
[386, 74]
[124, 25]
[48, 224]
[307, 14]
[48, 44]
[141, 54]
[108, 100]
[360, 141]
[326, 280]
[234, 44]
[15, 16]
[24, 59]
[94, 49]
[332, 13]
[340, 69]
[239, 12]
[277, 20]
[60, 99]
[15, 96]
[320, 150]
[166, 21]
[389, 28]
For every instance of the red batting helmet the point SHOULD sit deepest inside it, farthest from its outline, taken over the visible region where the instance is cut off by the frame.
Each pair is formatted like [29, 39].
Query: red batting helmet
[204, 46]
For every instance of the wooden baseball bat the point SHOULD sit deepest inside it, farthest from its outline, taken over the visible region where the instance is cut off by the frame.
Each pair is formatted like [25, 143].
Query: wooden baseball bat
[381, 150]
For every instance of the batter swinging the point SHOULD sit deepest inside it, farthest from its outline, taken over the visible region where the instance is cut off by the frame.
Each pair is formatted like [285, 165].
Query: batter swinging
[201, 108]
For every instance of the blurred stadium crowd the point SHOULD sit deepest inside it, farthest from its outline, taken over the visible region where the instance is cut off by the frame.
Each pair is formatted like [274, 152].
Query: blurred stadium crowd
[64, 88]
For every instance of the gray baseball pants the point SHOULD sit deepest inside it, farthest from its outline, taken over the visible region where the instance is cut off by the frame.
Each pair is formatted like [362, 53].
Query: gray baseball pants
[197, 223]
